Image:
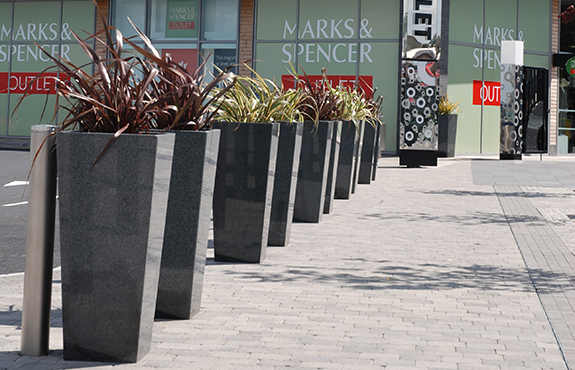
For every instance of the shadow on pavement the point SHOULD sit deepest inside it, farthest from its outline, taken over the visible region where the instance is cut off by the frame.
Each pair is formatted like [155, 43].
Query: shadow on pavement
[474, 218]
[426, 276]
[13, 317]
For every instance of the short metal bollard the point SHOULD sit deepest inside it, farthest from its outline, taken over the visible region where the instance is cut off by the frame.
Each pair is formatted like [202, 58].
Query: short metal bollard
[39, 243]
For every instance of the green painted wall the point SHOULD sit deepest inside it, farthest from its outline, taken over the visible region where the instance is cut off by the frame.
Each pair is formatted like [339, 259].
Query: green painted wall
[475, 33]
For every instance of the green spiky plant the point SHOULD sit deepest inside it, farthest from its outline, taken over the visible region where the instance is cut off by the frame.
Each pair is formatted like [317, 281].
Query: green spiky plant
[447, 106]
[256, 99]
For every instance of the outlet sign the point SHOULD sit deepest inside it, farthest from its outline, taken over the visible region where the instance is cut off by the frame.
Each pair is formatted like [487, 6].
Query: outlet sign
[365, 83]
[486, 93]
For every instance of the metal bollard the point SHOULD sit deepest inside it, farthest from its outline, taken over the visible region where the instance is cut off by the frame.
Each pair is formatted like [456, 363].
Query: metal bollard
[39, 243]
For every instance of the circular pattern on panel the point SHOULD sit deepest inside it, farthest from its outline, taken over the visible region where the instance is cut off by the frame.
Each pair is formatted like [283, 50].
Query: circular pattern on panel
[418, 129]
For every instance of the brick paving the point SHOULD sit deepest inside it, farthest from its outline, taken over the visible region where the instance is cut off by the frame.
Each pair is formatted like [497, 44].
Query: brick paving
[422, 269]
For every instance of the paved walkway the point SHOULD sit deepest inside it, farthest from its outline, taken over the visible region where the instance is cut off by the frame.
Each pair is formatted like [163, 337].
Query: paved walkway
[468, 265]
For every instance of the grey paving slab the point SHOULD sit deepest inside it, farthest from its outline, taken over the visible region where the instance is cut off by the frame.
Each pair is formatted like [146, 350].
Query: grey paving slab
[419, 270]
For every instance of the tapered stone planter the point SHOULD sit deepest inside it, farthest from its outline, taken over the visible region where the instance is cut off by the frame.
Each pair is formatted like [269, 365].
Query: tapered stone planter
[287, 166]
[332, 168]
[112, 220]
[187, 224]
[446, 136]
[368, 151]
[243, 191]
[347, 157]
[312, 174]
[358, 152]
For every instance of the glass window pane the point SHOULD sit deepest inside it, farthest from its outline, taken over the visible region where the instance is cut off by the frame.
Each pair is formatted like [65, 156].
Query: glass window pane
[534, 12]
[219, 19]
[328, 19]
[379, 22]
[174, 19]
[36, 21]
[566, 90]
[5, 27]
[5, 21]
[219, 57]
[466, 21]
[277, 20]
[566, 133]
[3, 114]
[136, 10]
[75, 15]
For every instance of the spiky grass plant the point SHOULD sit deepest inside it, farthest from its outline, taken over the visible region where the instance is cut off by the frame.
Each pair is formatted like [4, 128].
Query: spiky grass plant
[257, 99]
[320, 100]
[447, 106]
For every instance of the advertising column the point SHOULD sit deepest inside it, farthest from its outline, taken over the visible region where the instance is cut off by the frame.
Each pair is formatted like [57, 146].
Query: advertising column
[511, 135]
[418, 128]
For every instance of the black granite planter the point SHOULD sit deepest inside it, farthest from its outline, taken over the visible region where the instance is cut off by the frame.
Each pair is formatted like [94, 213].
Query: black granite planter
[347, 154]
[368, 151]
[187, 224]
[358, 152]
[446, 136]
[287, 166]
[312, 174]
[333, 167]
[243, 190]
[111, 227]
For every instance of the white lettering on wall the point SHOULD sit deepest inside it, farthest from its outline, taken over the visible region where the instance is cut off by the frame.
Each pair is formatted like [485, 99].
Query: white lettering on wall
[28, 53]
[38, 32]
[322, 53]
[494, 35]
[491, 36]
[289, 30]
[325, 29]
[336, 27]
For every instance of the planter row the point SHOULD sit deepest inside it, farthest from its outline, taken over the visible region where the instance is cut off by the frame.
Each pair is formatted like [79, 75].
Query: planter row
[134, 227]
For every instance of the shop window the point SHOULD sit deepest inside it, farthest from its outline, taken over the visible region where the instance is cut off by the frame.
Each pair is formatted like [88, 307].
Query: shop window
[27, 30]
[220, 20]
[176, 27]
[136, 10]
[219, 57]
[566, 119]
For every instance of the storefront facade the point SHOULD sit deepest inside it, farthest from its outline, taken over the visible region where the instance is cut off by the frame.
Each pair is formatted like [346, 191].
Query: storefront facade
[357, 41]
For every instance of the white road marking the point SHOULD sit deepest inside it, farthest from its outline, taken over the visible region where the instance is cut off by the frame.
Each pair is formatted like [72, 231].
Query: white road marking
[16, 183]
[14, 204]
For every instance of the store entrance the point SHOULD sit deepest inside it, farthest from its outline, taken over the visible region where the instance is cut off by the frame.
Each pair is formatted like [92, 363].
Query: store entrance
[535, 109]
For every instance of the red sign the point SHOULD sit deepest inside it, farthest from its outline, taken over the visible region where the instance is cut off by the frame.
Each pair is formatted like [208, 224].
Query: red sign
[187, 58]
[486, 93]
[182, 25]
[18, 82]
[365, 82]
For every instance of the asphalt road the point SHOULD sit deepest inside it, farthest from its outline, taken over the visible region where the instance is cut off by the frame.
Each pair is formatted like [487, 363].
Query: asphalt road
[14, 167]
